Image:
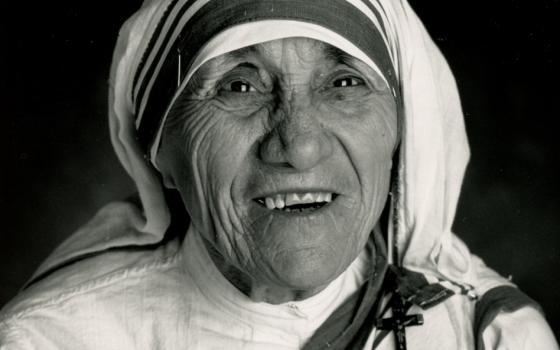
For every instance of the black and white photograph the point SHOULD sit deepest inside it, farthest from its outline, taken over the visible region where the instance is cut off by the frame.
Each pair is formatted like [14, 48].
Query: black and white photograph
[280, 174]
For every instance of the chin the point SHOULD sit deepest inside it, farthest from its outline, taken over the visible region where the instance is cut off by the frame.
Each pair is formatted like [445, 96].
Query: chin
[307, 269]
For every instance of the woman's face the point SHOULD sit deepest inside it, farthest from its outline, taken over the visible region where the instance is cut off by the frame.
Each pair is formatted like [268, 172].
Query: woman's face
[282, 154]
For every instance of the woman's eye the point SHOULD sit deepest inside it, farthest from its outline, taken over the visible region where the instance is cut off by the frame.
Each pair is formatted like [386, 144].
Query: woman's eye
[347, 82]
[240, 86]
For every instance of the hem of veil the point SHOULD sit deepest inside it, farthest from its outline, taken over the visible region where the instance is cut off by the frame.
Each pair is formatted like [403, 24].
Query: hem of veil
[500, 299]
[176, 230]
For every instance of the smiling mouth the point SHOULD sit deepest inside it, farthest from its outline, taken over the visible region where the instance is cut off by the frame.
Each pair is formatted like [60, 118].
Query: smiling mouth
[297, 202]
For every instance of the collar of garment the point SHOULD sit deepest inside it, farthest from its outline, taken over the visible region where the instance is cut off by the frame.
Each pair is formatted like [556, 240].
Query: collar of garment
[313, 311]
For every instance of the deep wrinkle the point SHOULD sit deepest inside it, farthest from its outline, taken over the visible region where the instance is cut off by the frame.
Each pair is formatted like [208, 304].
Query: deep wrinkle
[296, 128]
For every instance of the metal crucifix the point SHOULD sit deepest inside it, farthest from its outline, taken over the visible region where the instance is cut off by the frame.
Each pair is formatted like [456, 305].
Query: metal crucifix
[399, 321]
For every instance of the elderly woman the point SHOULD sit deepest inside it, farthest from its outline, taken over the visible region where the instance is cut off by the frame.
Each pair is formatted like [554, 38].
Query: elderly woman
[298, 165]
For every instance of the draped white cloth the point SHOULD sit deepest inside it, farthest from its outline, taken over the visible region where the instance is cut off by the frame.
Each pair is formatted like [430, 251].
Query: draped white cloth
[434, 154]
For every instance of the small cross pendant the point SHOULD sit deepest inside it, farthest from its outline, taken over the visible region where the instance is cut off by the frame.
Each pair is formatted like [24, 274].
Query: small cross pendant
[400, 320]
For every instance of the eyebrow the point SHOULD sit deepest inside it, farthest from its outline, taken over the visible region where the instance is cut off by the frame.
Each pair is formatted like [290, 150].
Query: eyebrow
[337, 55]
[234, 56]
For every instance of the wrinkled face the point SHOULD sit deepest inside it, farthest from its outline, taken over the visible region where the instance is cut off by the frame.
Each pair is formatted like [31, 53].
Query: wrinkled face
[282, 154]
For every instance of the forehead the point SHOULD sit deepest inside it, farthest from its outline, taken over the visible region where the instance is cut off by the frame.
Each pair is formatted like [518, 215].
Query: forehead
[288, 50]
[302, 47]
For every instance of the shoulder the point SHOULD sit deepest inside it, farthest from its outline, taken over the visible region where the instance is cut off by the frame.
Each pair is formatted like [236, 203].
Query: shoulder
[454, 318]
[91, 298]
[104, 270]
[506, 317]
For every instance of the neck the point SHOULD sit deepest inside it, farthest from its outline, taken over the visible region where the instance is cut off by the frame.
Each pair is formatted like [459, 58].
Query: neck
[255, 289]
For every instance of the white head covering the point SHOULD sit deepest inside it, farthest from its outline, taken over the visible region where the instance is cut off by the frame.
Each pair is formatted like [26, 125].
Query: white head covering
[433, 153]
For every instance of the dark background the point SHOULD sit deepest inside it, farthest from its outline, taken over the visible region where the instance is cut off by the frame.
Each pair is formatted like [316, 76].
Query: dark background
[60, 166]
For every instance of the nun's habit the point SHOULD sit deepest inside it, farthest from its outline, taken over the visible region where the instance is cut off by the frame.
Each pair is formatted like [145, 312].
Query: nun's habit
[132, 279]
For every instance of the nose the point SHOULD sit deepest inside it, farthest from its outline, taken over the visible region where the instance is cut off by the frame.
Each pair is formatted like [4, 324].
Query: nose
[297, 141]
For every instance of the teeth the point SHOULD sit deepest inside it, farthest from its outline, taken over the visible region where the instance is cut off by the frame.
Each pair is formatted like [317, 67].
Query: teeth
[269, 203]
[280, 201]
[292, 198]
[308, 198]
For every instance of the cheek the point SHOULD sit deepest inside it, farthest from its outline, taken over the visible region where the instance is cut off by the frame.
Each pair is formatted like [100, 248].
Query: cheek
[224, 152]
[367, 131]
[214, 146]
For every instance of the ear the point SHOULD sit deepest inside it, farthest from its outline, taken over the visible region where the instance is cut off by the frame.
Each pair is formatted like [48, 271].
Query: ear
[163, 164]
[168, 181]
[165, 170]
